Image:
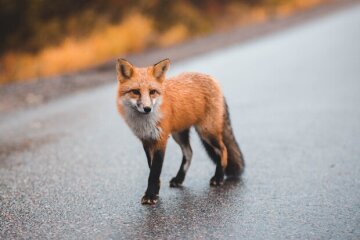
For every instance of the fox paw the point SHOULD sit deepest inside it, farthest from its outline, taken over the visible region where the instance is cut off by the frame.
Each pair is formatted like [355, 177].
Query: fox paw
[216, 181]
[175, 183]
[149, 199]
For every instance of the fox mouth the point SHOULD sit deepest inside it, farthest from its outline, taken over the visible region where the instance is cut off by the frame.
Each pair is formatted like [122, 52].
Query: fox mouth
[145, 113]
[141, 112]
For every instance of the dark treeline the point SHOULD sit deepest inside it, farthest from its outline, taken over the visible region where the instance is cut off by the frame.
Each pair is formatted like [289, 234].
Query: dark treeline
[29, 25]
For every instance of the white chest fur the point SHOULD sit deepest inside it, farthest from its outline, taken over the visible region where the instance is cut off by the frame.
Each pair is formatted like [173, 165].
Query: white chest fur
[144, 126]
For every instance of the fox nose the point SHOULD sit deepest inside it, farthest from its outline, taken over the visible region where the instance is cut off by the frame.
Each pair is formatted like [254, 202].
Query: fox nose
[147, 109]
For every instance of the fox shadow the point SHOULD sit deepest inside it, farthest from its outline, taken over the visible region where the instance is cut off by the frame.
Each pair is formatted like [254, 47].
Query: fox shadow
[187, 210]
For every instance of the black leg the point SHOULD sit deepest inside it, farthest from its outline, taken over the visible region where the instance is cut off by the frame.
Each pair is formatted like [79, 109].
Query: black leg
[182, 139]
[214, 153]
[148, 154]
[218, 178]
[152, 192]
[180, 176]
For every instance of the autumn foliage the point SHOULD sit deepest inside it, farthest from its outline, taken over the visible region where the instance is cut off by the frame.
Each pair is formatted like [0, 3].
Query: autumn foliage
[45, 38]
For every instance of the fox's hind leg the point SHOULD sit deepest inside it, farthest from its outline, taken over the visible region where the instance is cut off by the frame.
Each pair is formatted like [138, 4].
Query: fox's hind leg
[182, 138]
[217, 151]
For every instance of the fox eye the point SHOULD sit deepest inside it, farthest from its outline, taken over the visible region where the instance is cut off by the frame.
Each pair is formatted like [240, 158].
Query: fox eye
[135, 91]
[152, 92]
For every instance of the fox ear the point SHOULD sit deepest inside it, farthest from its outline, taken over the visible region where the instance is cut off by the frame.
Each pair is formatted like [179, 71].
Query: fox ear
[160, 68]
[124, 70]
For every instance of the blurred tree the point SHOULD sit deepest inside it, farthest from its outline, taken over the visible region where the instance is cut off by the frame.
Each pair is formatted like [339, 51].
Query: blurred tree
[29, 25]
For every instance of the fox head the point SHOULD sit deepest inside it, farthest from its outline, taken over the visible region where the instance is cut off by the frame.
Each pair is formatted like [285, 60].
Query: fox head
[140, 89]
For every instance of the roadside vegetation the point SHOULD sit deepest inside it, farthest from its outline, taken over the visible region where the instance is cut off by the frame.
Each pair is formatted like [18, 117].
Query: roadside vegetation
[42, 38]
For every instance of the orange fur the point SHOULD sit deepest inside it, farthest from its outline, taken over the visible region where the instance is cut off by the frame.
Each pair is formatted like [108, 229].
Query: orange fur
[155, 108]
[190, 99]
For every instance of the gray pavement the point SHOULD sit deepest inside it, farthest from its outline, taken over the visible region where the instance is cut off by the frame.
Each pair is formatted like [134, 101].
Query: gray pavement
[71, 169]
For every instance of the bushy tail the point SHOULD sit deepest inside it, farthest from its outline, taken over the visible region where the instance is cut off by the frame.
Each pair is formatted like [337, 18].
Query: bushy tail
[236, 164]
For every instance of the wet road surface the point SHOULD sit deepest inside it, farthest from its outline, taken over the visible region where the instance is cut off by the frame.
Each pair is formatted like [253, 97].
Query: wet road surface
[71, 169]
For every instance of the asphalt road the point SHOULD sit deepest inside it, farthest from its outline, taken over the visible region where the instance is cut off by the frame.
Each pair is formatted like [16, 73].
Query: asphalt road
[71, 169]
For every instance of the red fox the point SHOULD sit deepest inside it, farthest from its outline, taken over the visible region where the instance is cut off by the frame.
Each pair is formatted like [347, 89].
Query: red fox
[154, 108]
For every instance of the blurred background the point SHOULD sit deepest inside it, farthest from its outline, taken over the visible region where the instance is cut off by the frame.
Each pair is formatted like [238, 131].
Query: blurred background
[41, 38]
[70, 168]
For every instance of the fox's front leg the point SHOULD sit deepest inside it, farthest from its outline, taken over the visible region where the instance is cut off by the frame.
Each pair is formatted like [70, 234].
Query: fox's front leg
[147, 149]
[155, 154]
